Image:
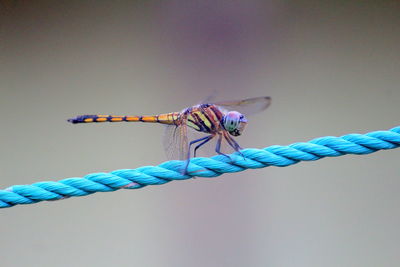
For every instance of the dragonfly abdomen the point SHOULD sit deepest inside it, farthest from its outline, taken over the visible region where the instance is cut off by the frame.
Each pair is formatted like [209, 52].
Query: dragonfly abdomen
[168, 118]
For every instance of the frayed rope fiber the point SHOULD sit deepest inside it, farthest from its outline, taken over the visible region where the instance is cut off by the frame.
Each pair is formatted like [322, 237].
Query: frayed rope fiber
[280, 156]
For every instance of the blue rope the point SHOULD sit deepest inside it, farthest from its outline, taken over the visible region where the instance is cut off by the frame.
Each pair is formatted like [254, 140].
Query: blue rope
[280, 156]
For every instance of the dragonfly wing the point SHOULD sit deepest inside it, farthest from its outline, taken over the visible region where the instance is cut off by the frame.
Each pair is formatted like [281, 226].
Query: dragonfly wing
[175, 142]
[210, 98]
[246, 106]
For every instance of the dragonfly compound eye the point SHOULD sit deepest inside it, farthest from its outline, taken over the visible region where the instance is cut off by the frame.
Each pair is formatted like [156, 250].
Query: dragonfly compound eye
[232, 122]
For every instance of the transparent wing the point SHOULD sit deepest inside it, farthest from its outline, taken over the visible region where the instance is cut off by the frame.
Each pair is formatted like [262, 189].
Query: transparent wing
[175, 142]
[210, 98]
[246, 106]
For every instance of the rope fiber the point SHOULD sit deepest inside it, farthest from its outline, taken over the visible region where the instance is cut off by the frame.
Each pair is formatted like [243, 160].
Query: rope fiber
[276, 155]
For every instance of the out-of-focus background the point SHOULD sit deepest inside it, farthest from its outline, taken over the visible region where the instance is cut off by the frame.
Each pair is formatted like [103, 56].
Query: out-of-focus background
[331, 67]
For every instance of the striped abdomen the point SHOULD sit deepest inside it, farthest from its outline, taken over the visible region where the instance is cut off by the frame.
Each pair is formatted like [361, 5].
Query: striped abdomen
[168, 118]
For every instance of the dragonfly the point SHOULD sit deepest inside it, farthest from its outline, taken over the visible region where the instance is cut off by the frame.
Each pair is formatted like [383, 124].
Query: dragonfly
[220, 121]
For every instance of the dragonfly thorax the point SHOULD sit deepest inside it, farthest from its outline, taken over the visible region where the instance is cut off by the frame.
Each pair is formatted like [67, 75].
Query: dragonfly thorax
[234, 122]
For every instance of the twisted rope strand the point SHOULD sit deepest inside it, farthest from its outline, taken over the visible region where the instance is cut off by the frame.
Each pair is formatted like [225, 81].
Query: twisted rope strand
[280, 156]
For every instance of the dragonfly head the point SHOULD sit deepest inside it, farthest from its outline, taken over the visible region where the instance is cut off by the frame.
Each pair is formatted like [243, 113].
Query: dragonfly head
[234, 122]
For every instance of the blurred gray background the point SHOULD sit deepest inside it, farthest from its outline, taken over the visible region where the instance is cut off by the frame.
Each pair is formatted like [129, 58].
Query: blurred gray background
[331, 67]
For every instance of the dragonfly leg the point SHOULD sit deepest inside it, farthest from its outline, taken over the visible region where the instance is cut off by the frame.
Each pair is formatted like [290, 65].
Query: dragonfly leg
[233, 144]
[204, 139]
[207, 139]
[218, 147]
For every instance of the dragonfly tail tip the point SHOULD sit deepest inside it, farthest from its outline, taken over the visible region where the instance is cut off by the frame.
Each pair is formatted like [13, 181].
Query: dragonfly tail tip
[72, 120]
